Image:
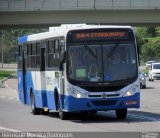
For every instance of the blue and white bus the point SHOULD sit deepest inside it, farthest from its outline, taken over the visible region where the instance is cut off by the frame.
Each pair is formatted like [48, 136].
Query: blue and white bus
[79, 68]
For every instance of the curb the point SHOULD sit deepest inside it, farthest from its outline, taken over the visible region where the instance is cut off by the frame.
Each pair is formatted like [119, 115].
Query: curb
[2, 85]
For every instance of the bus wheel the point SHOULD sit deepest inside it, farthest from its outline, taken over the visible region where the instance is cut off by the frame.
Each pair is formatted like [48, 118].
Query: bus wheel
[93, 112]
[62, 115]
[35, 111]
[121, 113]
[144, 86]
[84, 112]
[45, 112]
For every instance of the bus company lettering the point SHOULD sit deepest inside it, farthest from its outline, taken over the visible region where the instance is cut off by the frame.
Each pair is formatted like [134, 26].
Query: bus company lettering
[99, 35]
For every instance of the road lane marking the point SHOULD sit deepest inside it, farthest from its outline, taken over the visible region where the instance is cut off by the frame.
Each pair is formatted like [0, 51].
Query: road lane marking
[5, 97]
[5, 83]
[8, 129]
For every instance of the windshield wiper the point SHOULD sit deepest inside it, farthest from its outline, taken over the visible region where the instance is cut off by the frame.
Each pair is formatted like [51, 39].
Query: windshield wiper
[93, 54]
[114, 48]
[90, 51]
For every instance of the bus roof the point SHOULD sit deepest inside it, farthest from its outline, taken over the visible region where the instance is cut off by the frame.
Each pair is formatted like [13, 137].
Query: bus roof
[62, 31]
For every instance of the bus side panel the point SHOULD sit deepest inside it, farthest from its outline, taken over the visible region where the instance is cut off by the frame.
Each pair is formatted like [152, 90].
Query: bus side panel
[20, 87]
[50, 82]
[38, 99]
[33, 79]
[29, 86]
[51, 101]
[38, 92]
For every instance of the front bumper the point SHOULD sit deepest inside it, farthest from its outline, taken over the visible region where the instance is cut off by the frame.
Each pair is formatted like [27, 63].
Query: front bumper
[72, 104]
[142, 83]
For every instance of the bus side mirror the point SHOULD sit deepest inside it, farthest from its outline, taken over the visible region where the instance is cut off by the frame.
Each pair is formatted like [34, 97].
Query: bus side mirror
[62, 47]
[64, 59]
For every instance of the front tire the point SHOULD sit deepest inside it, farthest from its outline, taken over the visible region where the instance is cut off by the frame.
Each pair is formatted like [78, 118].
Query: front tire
[152, 78]
[35, 111]
[143, 86]
[121, 113]
[93, 112]
[45, 112]
[84, 112]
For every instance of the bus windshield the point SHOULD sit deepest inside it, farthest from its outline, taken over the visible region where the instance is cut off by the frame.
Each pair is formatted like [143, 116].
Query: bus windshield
[101, 63]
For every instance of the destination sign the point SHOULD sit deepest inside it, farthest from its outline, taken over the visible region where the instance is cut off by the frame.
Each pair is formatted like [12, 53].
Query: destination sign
[99, 35]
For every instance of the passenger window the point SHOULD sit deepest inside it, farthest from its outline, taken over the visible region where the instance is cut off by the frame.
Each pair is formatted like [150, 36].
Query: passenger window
[29, 52]
[50, 46]
[29, 62]
[56, 53]
[56, 44]
[34, 49]
[33, 61]
[37, 48]
[38, 55]
[29, 49]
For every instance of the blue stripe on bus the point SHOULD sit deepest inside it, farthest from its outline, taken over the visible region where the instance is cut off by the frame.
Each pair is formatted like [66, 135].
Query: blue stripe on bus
[71, 104]
[22, 39]
[45, 98]
[83, 104]
[20, 87]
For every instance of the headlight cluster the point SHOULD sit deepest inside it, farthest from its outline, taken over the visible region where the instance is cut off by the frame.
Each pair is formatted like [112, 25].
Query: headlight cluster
[75, 93]
[142, 78]
[130, 92]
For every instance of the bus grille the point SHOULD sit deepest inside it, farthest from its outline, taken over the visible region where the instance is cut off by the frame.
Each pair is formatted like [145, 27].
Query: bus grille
[104, 102]
[103, 88]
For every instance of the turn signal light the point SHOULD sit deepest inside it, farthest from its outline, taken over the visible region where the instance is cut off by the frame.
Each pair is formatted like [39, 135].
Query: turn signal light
[131, 102]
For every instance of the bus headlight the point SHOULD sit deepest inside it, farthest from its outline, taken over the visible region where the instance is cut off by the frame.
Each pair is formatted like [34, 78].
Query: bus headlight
[130, 92]
[76, 94]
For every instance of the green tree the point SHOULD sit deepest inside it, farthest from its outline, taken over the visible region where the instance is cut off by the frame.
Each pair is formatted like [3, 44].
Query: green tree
[10, 39]
[148, 39]
[151, 31]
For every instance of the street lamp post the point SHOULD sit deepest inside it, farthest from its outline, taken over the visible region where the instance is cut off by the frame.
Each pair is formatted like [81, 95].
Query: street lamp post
[2, 48]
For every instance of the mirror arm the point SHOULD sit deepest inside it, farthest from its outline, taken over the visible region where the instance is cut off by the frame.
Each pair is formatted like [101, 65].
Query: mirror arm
[63, 61]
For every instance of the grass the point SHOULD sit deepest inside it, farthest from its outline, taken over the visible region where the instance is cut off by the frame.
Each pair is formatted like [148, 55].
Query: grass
[145, 71]
[5, 73]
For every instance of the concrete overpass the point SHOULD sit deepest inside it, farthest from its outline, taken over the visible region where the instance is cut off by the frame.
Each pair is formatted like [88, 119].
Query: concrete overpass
[54, 12]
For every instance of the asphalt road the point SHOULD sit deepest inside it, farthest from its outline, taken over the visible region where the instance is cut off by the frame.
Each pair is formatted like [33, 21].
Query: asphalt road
[16, 117]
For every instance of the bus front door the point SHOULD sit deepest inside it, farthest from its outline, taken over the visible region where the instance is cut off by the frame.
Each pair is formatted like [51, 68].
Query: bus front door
[43, 81]
[23, 94]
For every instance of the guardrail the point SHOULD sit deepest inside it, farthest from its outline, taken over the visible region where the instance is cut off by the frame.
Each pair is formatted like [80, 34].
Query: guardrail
[47, 5]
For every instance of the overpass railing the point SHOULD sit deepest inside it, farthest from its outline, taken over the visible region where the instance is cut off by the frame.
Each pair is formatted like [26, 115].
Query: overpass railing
[49, 5]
